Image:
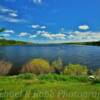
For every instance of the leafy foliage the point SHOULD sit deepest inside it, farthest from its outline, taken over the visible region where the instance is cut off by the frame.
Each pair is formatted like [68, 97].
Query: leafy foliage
[26, 76]
[75, 69]
[37, 66]
[57, 65]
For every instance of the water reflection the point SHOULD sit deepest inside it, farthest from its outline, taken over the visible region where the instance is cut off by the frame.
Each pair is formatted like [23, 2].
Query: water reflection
[86, 55]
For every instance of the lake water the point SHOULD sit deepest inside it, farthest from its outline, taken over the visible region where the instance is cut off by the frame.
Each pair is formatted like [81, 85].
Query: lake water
[85, 55]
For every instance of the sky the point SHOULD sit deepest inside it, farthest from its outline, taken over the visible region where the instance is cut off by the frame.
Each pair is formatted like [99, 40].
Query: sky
[50, 20]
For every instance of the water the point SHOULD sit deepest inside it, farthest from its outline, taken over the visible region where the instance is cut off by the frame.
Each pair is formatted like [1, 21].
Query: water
[85, 55]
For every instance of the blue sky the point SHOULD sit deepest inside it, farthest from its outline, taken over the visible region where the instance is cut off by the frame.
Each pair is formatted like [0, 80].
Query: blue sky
[50, 20]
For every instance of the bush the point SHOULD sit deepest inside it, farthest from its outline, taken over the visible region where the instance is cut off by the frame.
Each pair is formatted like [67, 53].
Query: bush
[53, 77]
[97, 76]
[75, 69]
[36, 66]
[57, 65]
[26, 76]
[5, 67]
[97, 72]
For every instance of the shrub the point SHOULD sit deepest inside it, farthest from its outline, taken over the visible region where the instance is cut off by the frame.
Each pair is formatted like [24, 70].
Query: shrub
[26, 76]
[37, 66]
[97, 81]
[75, 69]
[57, 66]
[53, 77]
[5, 67]
[97, 75]
[97, 72]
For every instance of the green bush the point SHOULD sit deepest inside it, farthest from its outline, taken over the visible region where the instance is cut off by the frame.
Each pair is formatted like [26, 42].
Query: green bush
[26, 76]
[36, 66]
[97, 72]
[57, 66]
[75, 69]
[5, 67]
[53, 77]
[97, 76]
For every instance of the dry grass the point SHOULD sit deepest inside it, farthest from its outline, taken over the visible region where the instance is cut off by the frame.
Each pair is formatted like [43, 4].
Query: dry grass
[36, 66]
[5, 67]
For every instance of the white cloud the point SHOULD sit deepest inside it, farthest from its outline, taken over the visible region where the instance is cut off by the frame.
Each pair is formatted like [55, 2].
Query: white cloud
[84, 36]
[10, 16]
[9, 31]
[13, 14]
[32, 36]
[39, 32]
[83, 27]
[38, 27]
[53, 36]
[35, 26]
[58, 36]
[6, 10]
[6, 35]
[47, 35]
[9, 19]
[24, 34]
[37, 1]
[43, 27]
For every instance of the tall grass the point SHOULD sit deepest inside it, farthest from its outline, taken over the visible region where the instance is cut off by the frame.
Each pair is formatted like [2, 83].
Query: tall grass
[42, 66]
[5, 67]
[37, 66]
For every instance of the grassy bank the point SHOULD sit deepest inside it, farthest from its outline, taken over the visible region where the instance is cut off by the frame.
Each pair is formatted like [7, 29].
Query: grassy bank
[48, 87]
[39, 79]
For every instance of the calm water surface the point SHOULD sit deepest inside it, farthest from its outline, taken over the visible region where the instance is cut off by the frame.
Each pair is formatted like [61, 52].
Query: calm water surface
[86, 55]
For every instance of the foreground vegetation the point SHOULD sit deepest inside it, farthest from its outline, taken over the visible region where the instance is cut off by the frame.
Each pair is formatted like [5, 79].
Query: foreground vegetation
[39, 79]
[48, 87]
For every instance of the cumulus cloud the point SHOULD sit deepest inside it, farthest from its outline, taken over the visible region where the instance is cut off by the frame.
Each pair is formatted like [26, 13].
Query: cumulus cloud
[37, 1]
[38, 27]
[9, 19]
[10, 12]
[13, 14]
[32, 36]
[71, 36]
[83, 27]
[10, 16]
[24, 34]
[53, 36]
[39, 32]
[6, 10]
[43, 27]
[84, 36]
[6, 35]
[35, 26]
[9, 31]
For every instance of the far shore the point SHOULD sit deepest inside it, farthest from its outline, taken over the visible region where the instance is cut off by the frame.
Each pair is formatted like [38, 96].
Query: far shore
[4, 42]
